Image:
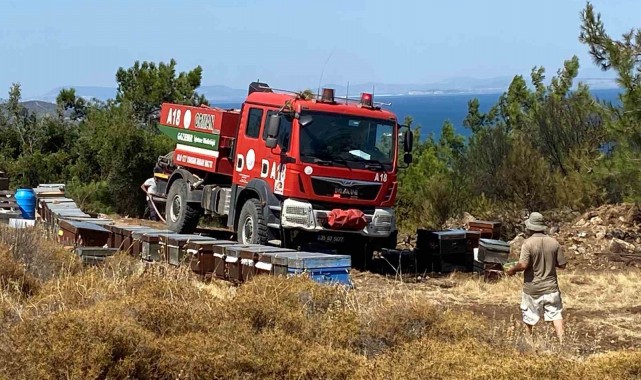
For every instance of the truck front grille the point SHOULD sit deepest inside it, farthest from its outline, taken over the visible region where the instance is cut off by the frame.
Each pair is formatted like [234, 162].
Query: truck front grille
[335, 187]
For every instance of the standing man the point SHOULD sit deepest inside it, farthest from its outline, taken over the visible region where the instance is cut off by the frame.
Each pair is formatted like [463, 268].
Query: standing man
[149, 187]
[541, 255]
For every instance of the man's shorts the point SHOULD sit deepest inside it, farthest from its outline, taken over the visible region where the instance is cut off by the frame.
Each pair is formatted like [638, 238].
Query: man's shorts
[550, 305]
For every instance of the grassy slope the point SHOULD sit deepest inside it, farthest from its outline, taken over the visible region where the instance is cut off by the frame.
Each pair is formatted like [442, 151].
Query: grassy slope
[59, 320]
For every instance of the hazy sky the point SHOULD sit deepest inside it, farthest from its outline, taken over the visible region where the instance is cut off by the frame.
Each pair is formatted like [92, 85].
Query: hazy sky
[46, 44]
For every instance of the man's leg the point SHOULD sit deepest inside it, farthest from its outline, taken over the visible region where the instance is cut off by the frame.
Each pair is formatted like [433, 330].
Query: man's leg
[558, 326]
[554, 312]
[531, 313]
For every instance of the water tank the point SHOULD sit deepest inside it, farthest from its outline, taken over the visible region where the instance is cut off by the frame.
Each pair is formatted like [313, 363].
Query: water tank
[26, 199]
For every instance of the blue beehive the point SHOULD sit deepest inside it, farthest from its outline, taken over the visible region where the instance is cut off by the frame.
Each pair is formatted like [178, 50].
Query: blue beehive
[321, 267]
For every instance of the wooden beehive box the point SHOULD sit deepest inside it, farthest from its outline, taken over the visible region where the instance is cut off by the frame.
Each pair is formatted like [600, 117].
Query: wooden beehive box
[82, 233]
[488, 229]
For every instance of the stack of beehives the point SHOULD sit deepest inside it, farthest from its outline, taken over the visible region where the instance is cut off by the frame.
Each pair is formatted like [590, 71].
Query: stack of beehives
[8, 206]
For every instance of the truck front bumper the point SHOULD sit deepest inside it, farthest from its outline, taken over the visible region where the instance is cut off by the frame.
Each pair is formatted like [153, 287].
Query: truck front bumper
[301, 215]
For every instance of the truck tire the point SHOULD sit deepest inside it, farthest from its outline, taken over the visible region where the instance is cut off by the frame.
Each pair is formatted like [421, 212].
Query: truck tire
[252, 228]
[181, 216]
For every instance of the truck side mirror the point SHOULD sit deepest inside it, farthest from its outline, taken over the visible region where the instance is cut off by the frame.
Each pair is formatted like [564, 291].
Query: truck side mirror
[273, 127]
[408, 141]
[407, 158]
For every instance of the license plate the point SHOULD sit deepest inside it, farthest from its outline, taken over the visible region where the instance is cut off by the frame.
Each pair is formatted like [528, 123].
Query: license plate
[331, 239]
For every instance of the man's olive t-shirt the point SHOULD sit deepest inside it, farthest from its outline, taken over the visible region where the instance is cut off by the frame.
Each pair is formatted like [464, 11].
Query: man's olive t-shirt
[542, 255]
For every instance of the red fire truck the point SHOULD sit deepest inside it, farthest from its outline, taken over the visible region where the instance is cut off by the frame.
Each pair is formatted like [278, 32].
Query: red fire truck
[287, 168]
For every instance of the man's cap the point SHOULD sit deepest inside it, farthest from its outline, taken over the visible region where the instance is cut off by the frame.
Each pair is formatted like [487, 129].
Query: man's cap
[535, 222]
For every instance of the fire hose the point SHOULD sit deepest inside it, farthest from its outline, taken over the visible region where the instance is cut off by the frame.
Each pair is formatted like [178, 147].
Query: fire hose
[153, 204]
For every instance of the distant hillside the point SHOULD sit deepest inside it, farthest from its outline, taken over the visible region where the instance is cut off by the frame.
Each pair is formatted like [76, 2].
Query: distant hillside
[461, 85]
[87, 92]
[214, 93]
[40, 108]
[452, 85]
[217, 93]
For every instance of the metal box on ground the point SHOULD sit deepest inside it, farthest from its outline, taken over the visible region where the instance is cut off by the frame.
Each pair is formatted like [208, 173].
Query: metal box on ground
[233, 260]
[264, 259]
[98, 221]
[60, 214]
[264, 264]
[473, 240]
[82, 234]
[95, 251]
[434, 247]
[488, 229]
[173, 246]
[280, 261]
[493, 251]
[126, 236]
[136, 239]
[322, 268]
[201, 257]
[207, 257]
[131, 239]
[95, 255]
[150, 247]
[53, 207]
[46, 205]
[121, 235]
[115, 241]
[50, 190]
[443, 242]
[218, 250]
[249, 255]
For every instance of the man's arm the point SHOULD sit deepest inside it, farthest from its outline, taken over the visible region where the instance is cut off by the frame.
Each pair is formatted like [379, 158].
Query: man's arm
[561, 261]
[144, 188]
[519, 267]
[524, 261]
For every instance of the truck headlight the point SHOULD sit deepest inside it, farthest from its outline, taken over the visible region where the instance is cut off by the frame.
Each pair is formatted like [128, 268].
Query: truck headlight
[297, 213]
[384, 220]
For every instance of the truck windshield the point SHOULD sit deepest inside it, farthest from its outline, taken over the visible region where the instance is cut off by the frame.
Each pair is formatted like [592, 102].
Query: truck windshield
[347, 140]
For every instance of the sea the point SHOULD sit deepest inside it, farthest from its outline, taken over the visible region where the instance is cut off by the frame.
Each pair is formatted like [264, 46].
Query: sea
[431, 111]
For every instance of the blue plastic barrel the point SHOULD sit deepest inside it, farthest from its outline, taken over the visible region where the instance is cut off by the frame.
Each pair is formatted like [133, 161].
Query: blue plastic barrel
[26, 199]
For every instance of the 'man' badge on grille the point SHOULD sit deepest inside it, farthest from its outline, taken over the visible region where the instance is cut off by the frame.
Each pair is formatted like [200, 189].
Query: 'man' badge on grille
[346, 191]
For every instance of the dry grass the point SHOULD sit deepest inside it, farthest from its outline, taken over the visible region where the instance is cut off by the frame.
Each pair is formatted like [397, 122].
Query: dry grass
[124, 320]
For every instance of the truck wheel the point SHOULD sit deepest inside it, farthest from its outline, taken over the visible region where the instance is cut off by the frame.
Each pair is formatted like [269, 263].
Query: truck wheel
[252, 228]
[181, 216]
